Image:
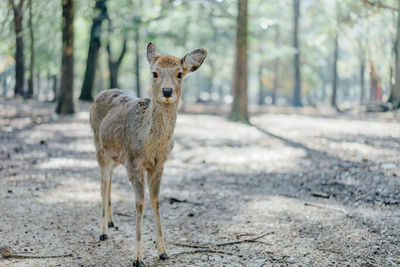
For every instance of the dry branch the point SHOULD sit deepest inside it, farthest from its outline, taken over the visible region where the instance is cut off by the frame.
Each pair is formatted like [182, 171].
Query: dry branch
[176, 200]
[254, 239]
[207, 251]
[250, 240]
[7, 254]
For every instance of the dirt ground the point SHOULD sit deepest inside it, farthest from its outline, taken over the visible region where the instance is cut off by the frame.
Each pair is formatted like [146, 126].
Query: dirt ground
[324, 190]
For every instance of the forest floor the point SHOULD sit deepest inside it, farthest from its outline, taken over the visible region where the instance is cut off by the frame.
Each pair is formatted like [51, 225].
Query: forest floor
[320, 190]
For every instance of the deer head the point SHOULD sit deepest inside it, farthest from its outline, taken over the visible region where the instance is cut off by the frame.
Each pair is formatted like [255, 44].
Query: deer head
[169, 71]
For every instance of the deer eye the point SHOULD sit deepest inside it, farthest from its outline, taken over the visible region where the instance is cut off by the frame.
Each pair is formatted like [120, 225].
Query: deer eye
[155, 75]
[180, 75]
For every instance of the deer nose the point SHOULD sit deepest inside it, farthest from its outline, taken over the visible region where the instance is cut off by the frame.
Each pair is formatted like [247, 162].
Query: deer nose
[167, 92]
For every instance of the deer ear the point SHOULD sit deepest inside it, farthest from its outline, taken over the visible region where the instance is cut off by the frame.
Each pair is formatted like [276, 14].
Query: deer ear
[151, 53]
[192, 61]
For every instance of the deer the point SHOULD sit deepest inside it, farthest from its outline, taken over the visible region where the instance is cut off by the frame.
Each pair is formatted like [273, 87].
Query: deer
[138, 134]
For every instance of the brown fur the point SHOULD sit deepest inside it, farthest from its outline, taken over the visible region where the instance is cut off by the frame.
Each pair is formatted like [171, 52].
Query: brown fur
[138, 133]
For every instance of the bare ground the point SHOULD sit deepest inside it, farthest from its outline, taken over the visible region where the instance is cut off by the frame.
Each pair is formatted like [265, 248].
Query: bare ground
[325, 190]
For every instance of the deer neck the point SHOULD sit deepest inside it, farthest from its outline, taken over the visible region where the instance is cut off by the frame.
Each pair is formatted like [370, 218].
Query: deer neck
[163, 121]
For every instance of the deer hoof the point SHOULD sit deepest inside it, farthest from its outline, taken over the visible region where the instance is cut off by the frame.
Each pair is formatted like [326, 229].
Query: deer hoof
[110, 225]
[137, 263]
[103, 237]
[164, 256]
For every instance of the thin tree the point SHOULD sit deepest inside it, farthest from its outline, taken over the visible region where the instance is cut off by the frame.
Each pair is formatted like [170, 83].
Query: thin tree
[114, 65]
[276, 65]
[362, 76]
[239, 106]
[261, 98]
[100, 13]
[19, 48]
[297, 82]
[335, 76]
[65, 103]
[32, 50]
[137, 21]
[396, 88]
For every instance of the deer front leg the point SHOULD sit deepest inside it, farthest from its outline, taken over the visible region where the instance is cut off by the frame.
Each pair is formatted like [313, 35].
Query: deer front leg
[154, 181]
[136, 177]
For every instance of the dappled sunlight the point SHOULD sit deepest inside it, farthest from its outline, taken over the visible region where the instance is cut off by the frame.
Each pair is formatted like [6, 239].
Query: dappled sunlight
[309, 126]
[275, 205]
[83, 145]
[200, 126]
[81, 190]
[251, 157]
[67, 163]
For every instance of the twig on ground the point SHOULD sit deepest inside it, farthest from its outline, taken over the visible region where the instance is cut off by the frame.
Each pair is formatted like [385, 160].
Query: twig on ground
[254, 239]
[175, 200]
[124, 214]
[250, 240]
[17, 256]
[190, 245]
[207, 251]
[320, 195]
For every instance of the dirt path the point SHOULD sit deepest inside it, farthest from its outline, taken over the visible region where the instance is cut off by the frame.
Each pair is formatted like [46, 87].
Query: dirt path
[325, 191]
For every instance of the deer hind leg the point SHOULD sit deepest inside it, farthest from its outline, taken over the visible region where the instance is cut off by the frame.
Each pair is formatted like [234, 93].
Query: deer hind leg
[110, 215]
[106, 167]
[154, 181]
[136, 177]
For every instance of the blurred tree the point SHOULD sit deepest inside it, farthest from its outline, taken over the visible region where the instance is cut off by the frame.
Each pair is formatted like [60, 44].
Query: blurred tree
[29, 94]
[99, 14]
[335, 58]
[395, 94]
[137, 21]
[297, 83]
[19, 50]
[113, 65]
[375, 86]
[362, 76]
[261, 94]
[239, 106]
[276, 65]
[65, 101]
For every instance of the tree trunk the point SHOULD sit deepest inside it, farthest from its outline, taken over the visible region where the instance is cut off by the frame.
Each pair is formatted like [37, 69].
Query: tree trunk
[137, 60]
[100, 13]
[375, 87]
[38, 84]
[19, 51]
[362, 78]
[54, 78]
[114, 65]
[65, 101]
[32, 48]
[297, 83]
[276, 65]
[239, 106]
[260, 86]
[396, 88]
[335, 76]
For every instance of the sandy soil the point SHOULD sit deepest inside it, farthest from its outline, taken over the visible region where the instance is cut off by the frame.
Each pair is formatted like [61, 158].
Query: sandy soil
[325, 190]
